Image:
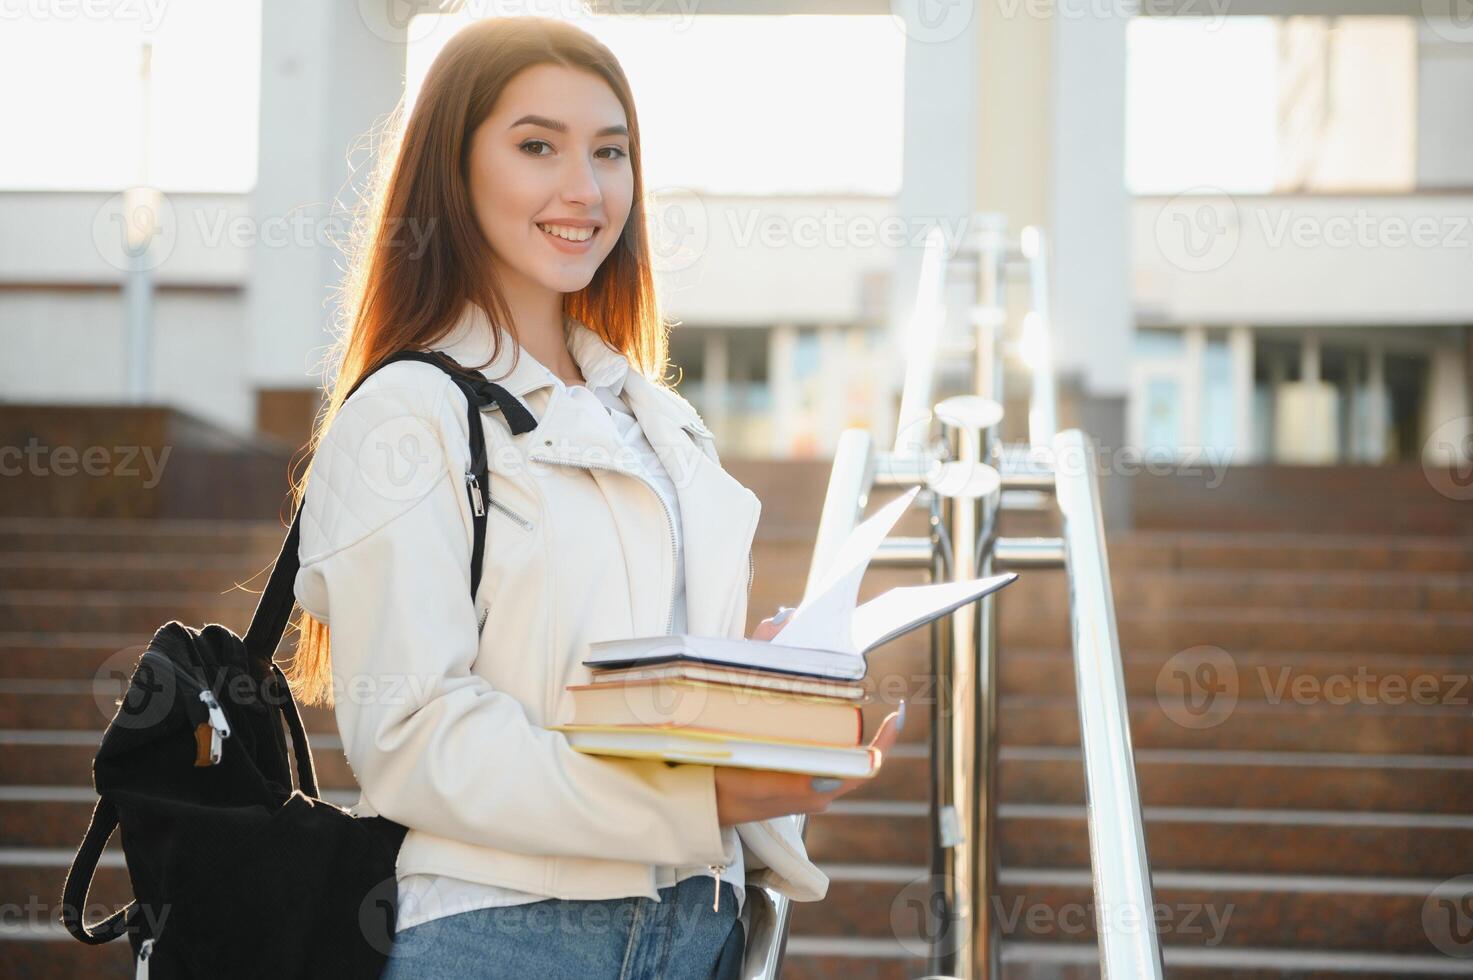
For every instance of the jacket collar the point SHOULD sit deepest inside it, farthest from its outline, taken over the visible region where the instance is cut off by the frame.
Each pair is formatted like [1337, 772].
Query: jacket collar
[469, 341]
[718, 515]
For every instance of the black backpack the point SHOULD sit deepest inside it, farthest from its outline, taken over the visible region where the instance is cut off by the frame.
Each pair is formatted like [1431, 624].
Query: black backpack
[235, 874]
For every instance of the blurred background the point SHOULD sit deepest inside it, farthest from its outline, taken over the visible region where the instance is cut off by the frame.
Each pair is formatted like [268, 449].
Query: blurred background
[1256, 223]
[1258, 220]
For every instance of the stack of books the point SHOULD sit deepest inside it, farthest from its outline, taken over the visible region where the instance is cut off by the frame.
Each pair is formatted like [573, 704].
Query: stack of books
[791, 704]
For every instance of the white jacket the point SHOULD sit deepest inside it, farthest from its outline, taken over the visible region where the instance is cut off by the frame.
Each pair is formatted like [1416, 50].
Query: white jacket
[443, 706]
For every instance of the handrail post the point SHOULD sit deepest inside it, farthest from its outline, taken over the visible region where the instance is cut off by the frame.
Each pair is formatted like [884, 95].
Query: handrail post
[1117, 844]
[964, 720]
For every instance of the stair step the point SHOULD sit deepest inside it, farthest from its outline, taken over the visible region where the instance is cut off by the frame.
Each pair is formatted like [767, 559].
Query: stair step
[809, 958]
[1199, 910]
[1277, 551]
[1346, 782]
[128, 572]
[1376, 729]
[1030, 835]
[45, 611]
[1023, 720]
[1282, 841]
[1029, 774]
[220, 536]
[1265, 629]
[1142, 589]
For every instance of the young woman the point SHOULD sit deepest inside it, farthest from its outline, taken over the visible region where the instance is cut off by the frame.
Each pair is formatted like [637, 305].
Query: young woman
[507, 231]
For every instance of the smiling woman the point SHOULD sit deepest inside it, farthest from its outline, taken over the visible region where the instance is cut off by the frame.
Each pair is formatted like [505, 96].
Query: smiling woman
[519, 166]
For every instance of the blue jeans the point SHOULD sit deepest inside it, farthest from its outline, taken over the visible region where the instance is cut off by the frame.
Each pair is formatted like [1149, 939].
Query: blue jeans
[677, 938]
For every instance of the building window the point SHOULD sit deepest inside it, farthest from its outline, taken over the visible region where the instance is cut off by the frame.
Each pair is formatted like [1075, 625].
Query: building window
[1271, 104]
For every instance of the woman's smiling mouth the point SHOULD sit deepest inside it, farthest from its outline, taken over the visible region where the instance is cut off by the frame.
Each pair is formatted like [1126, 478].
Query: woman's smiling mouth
[570, 239]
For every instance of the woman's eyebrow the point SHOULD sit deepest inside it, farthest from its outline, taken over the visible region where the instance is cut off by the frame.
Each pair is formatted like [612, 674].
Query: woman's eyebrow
[562, 127]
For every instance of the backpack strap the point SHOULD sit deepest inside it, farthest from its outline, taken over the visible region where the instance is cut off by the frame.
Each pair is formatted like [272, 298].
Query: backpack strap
[268, 623]
[79, 882]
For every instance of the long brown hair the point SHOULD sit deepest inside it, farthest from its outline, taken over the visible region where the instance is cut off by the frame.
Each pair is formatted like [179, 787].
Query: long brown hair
[417, 255]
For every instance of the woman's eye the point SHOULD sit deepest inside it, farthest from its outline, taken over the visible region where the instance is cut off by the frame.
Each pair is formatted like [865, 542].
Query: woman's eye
[617, 152]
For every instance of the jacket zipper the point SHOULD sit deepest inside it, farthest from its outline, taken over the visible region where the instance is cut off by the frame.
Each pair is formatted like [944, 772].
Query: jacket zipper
[716, 871]
[525, 524]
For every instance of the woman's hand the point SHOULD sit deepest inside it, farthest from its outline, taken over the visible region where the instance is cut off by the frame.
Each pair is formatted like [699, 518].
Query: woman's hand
[759, 794]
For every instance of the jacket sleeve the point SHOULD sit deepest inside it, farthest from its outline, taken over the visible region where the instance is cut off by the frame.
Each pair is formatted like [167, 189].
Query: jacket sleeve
[385, 561]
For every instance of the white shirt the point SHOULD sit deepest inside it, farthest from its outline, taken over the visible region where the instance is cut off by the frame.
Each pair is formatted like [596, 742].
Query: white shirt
[428, 896]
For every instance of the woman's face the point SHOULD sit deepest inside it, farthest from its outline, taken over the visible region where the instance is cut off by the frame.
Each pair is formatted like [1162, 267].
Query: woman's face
[553, 154]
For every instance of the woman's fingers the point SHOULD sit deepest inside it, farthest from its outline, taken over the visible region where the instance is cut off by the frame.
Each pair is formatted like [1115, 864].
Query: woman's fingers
[765, 630]
[889, 729]
[773, 624]
[883, 741]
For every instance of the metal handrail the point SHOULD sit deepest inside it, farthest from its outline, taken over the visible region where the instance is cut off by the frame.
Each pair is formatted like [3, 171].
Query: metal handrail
[1117, 842]
[962, 544]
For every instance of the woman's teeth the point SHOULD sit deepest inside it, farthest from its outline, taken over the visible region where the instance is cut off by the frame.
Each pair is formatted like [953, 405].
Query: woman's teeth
[571, 234]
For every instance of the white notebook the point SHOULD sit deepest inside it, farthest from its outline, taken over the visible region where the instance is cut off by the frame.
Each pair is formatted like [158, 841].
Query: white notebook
[830, 632]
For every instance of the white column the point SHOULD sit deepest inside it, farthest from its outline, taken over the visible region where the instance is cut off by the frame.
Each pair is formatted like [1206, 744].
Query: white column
[326, 77]
[1193, 377]
[1376, 407]
[831, 353]
[1278, 384]
[939, 162]
[1309, 357]
[1355, 428]
[1306, 429]
[782, 349]
[1444, 151]
[1446, 429]
[715, 361]
[1240, 350]
[1089, 203]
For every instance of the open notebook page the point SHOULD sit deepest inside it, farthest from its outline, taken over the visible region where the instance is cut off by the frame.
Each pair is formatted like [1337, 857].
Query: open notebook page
[824, 618]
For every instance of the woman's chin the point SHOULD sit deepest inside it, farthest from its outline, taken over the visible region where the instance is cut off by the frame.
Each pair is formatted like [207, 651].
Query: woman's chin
[567, 279]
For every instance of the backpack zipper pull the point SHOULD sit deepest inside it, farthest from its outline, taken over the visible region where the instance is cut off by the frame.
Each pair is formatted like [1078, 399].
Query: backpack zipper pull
[716, 870]
[478, 503]
[219, 724]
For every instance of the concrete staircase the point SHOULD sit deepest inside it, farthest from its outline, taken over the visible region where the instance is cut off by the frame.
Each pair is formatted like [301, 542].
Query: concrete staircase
[1304, 800]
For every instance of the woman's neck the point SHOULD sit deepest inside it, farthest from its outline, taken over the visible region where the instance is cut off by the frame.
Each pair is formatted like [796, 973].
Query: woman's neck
[538, 315]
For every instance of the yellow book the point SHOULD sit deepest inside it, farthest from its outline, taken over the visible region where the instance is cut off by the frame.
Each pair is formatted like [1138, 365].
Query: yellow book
[709, 748]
